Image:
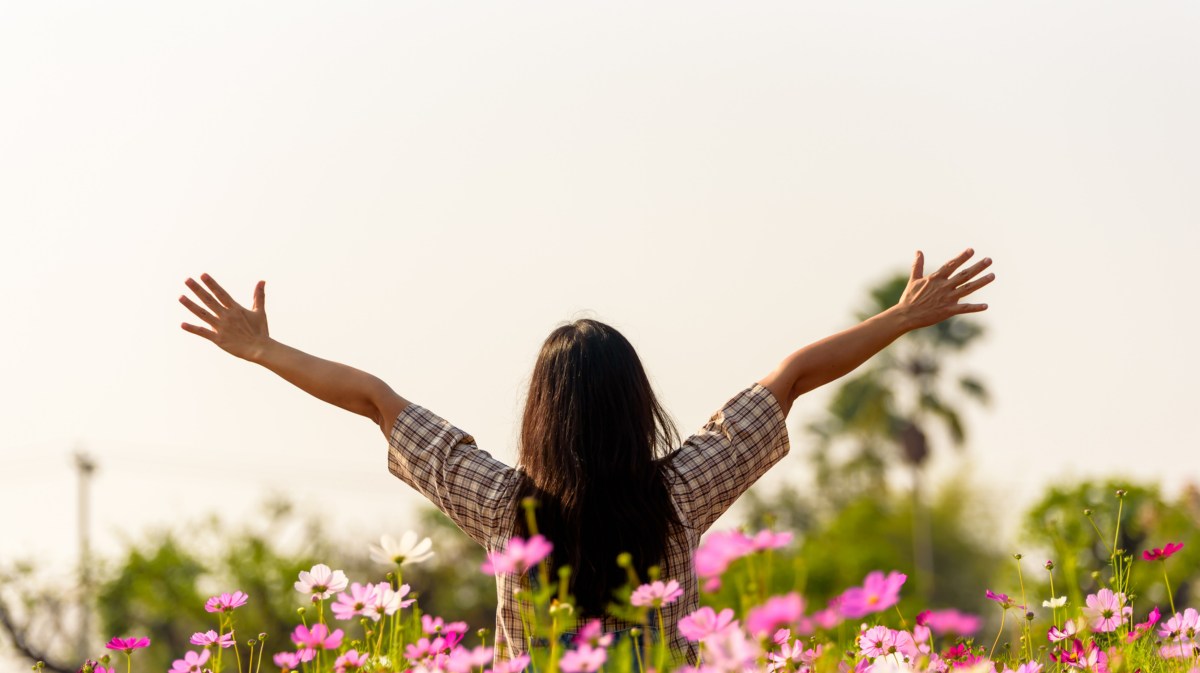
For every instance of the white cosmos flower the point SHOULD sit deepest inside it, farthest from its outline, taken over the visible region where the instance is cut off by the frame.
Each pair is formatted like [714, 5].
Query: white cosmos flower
[321, 581]
[1055, 602]
[408, 550]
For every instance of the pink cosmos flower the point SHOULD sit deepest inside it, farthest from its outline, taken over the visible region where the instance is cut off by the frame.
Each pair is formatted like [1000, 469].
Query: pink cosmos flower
[731, 650]
[317, 638]
[226, 602]
[769, 539]
[127, 645]
[206, 638]
[713, 556]
[518, 556]
[584, 659]
[593, 634]
[387, 601]
[1106, 610]
[288, 661]
[656, 594]
[432, 625]
[828, 618]
[321, 581]
[462, 660]
[877, 641]
[1162, 553]
[950, 622]
[1068, 630]
[777, 611]
[514, 665]
[351, 659]
[1090, 658]
[1145, 627]
[877, 593]
[352, 603]
[1181, 627]
[704, 622]
[192, 662]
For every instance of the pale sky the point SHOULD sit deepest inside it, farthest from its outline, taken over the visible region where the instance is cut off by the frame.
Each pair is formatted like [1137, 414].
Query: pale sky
[428, 188]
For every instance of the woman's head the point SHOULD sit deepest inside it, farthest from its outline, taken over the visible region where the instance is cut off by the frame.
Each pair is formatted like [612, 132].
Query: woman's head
[590, 441]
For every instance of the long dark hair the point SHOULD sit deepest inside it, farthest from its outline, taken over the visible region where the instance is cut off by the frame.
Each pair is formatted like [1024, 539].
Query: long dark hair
[591, 441]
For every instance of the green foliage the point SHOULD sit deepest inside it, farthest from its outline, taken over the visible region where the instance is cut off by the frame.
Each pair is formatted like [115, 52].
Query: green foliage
[1082, 551]
[836, 550]
[159, 587]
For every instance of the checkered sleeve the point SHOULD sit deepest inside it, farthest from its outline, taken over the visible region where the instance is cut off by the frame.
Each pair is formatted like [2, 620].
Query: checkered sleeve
[737, 446]
[443, 464]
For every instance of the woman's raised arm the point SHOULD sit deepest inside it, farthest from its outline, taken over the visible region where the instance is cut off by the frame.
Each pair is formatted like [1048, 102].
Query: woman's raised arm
[926, 301]
[243, 332]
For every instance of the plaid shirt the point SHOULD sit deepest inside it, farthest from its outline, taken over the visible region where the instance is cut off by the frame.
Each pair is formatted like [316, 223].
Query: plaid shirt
[712, 468]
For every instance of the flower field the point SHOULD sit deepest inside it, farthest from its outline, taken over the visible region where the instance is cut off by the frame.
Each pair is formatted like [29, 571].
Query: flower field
[344, 626]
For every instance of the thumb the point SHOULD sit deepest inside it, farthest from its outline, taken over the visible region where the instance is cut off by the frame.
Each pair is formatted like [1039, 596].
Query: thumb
[260, 296]
[918, 267]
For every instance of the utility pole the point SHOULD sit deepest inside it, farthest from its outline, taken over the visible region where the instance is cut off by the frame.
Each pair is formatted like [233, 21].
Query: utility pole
[85, 467]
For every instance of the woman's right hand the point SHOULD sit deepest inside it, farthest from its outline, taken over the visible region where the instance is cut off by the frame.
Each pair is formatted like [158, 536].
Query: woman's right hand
[236, 329]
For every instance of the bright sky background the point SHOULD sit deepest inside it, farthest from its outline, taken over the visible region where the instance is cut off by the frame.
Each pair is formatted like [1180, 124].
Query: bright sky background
[430, 187]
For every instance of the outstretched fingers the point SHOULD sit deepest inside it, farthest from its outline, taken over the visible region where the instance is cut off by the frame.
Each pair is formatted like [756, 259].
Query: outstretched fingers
[949, 267]
[969, 308]
[216, 288]
[199, 331]
[970, 287]
[970, 272]
[212, 304]
[198, 312]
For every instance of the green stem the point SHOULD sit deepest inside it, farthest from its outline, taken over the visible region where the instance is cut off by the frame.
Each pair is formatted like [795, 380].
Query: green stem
[1025, 634]
[128, 662]
[1167, 581]
[1003, 616]
[662, 642]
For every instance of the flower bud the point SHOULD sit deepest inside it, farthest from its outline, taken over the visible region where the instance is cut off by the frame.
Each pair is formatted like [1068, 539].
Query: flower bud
[624, 559]
[262, 636]
[301, 611]
[1017, 556]
[1120, 493]
[1049, 565]
[1029, 616]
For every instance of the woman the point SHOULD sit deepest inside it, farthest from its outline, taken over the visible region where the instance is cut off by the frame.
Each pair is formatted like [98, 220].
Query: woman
[594, 439]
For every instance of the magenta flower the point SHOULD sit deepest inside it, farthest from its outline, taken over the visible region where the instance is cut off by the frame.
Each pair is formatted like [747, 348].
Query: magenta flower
[518, 556]
[206, 638]
[1162, 553]
[317, 638]
[584, 659]
[877, 593]
[656, 594]
[1106, 610]
[127, 645]
[777, 611]
[704, 622]
[1145, 627]
[1068, 630]
[877, 641]
[434, 625]
[192, 662]
[354, 602]
[828, 618]
[321, 581]
[226, 602]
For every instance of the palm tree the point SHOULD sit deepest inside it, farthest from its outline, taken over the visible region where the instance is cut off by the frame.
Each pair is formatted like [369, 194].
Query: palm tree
[886, 411]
